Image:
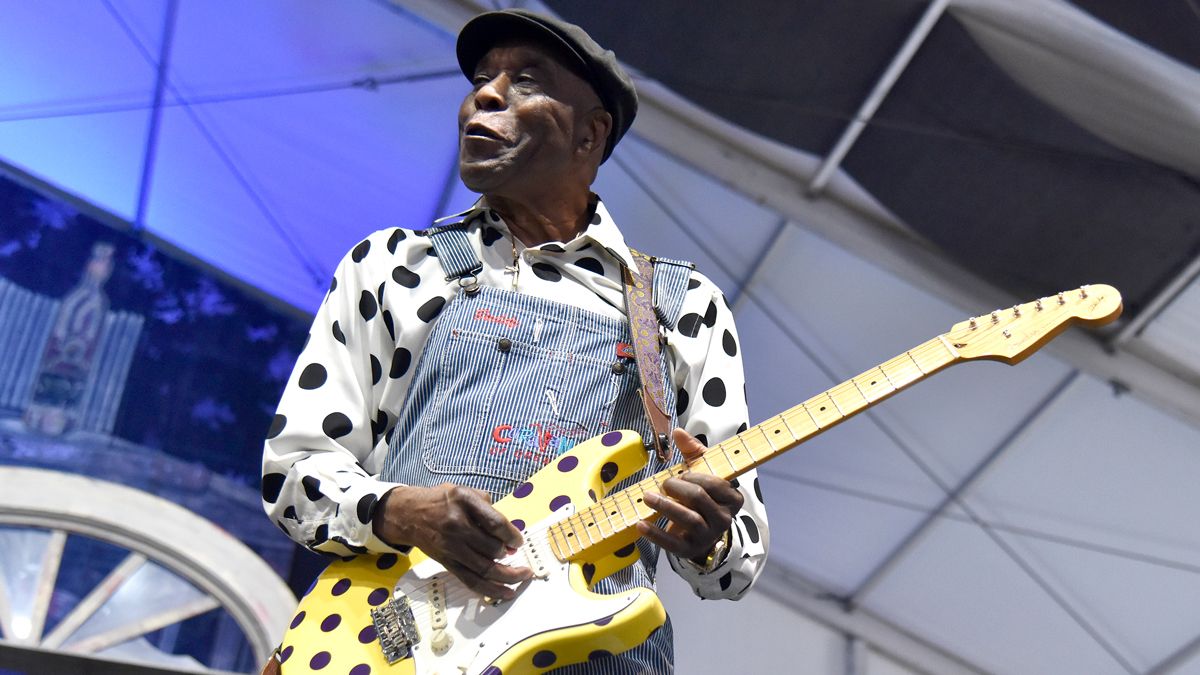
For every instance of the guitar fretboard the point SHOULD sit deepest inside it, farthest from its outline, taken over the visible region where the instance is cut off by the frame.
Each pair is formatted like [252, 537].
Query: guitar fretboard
[618, 512]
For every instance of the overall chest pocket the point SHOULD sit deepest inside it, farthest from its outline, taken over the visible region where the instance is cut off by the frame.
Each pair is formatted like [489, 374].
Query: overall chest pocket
[504, 408]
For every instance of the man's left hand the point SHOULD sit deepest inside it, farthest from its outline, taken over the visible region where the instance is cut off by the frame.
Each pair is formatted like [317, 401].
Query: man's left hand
[699, 507]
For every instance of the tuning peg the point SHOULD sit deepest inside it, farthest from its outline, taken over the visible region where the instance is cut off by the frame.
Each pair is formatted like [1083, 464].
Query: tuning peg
[1016, 310]
[1083, 292]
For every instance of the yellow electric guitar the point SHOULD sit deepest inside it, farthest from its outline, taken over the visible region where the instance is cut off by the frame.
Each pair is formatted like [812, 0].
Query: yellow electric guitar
[407, 614]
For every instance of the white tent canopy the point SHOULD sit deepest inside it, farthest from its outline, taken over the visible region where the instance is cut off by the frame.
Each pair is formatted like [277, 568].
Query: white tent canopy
[1036, 519]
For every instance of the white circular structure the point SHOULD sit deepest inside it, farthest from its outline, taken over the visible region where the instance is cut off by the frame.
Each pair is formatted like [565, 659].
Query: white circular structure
[178, 565]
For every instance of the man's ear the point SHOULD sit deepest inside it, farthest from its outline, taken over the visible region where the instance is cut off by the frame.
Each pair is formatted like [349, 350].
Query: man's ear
[597, 127]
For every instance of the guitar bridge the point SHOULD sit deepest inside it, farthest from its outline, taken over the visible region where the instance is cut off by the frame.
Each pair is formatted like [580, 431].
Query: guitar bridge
[396, 628]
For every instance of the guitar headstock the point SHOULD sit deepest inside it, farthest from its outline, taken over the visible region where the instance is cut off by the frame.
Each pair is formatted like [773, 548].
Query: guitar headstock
[1012, 334]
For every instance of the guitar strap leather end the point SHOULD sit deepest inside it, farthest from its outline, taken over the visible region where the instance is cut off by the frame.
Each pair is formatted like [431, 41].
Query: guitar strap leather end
[644, 328]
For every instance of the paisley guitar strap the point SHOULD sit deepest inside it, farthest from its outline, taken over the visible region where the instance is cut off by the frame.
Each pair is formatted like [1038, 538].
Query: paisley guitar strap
[647, 349]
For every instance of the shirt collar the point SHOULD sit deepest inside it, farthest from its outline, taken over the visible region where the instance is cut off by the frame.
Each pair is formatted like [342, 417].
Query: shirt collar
[602, 231]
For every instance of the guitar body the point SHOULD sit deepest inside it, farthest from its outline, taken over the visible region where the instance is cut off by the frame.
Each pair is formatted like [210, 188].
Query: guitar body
[555, 620]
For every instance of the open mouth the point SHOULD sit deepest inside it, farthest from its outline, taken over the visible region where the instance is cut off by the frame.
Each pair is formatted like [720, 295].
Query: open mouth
[477, 130]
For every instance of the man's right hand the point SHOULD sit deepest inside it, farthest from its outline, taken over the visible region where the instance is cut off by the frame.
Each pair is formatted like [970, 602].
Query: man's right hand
[458, 527]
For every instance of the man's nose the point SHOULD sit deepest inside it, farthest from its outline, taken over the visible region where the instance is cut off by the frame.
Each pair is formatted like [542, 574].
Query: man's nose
[492, 95]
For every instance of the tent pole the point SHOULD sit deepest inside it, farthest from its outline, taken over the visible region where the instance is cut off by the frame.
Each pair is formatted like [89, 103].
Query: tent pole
[152, 133]
[889, 78]
[739, 293]
[1178, 658]
[792, 589]
[1160, 301]
[955, 495]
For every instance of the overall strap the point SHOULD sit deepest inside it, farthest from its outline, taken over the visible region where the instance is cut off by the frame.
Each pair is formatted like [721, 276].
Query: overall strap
[644, 328]
[456, 255]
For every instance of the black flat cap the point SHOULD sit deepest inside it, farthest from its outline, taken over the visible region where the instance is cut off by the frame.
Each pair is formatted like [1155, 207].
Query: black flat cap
[596, 64]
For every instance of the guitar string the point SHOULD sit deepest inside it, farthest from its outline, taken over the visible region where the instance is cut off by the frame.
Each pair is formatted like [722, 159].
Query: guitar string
[898, 362]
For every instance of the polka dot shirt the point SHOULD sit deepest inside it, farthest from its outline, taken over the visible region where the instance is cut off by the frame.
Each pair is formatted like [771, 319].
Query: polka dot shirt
[330, 434]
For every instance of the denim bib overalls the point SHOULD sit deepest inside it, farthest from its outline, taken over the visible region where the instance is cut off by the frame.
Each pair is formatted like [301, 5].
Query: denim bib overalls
[508, 381]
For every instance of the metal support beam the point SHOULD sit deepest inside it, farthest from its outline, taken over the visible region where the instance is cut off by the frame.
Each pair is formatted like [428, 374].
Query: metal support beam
[955, 495]
[794, 590]
[739, 293]
[1180, 657]
[1160, 301]
[879, 92]
[856, 656]
[152, 132]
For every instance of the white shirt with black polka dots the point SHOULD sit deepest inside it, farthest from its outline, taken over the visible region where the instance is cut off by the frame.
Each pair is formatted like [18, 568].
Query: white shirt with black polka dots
[328, 439]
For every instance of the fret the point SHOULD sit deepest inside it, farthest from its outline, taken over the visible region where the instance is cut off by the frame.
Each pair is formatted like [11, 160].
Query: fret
[901, 376]
[742, 440]
[915, 362]
[828, 418]
[810, 416]
[876, 389]
[629, 496]
[829, 395]
[885, 376]
[612, 510]
[574, 530]
[589, 520]
[783, 418]
[714, 454]
[860, 391]
[725, 454]
[762, 429]
[556, 548]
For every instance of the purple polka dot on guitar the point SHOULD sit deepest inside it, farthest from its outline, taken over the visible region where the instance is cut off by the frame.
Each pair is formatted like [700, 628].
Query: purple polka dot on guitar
[319, 660]
[603, 622]
[519, 524]
[377, 597]
[285, 654]
[567, 463]
[298, 618]
[341, 586]
[544, 658]
[367, 635]
[387, 560]
[361, 669]
[332, 621]
[559, 502]
[523, 490]
[492, 670]
[611, 438]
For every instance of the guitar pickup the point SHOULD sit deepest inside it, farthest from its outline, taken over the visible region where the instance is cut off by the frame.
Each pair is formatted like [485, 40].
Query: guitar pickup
[537, 556]
[396, 629]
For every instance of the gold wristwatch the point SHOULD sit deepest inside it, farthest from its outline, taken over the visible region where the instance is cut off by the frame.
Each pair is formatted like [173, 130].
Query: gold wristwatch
[715, 556]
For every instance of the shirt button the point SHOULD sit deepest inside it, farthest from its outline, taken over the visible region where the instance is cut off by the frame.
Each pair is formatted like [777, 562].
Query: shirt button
[618, 368]
[504, 344]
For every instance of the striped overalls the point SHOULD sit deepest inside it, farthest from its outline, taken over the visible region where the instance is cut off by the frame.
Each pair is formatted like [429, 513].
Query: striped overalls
[508, 381]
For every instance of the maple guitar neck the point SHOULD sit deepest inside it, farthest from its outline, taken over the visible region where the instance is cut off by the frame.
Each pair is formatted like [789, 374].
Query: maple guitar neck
[1009, 335]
